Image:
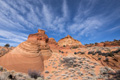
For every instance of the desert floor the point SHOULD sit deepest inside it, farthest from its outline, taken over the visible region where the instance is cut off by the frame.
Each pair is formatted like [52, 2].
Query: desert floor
[83, 66]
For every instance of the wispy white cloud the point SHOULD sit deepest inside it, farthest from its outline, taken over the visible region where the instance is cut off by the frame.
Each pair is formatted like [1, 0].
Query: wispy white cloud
[85, 24]
[113, 29]
[28, 15]
[65, 9]
[12, 36]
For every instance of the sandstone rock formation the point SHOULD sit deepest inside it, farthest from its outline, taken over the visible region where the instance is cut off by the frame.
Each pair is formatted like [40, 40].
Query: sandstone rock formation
[28, 55]
[52, 41]
[107, 44]
[99, 44]
[53, 44]
[69, 41]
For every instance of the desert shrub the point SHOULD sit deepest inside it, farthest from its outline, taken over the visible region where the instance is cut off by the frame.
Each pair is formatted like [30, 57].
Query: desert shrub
[111, 54]
[114, 75]
[1, 68]
[74, 47]
[79, 52]
[91, 52]
[75, 53]
[64, 46]
[34, 74]
[99, 58]
[4, 75]
[82, 52]
[68, 62]
[117, 75]
[106, 54]
[99, 52]
[117, 51]
[11, 77]
[103, 54]
[106, 59]
[104, 73]
[7, 45]
[62, 52]
[59, 51]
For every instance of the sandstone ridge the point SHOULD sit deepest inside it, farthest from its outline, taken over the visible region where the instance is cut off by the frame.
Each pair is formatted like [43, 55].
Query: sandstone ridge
[52, 41]
[69, 41]
[28, 55]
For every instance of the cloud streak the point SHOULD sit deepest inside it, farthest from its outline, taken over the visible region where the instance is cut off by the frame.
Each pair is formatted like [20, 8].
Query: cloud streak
[23, 17]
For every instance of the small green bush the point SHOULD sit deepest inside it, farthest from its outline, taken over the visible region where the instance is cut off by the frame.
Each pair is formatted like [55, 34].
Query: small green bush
[59, 50]
[64, 46]
[111, 54]
[7, 45]
[34, 74]
[99, 58]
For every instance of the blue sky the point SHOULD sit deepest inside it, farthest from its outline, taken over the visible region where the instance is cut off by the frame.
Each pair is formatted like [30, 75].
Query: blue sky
[88, 21]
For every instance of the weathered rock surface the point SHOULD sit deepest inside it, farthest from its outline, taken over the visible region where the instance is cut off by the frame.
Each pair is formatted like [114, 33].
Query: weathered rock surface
[5, 50]
[107, 44]
[69, 41]
[28, 55]
[52, 41]
[99, 44]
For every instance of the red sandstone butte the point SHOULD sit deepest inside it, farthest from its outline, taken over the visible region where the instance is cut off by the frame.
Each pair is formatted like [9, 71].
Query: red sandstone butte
[28, 55]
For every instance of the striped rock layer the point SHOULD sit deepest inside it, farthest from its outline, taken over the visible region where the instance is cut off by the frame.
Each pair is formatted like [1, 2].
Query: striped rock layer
[28, 55]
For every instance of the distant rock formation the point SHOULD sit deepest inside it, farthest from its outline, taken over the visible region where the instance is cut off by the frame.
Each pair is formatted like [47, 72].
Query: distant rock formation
[105, 44]
[69, 41]
[28, 55]
[99, 44]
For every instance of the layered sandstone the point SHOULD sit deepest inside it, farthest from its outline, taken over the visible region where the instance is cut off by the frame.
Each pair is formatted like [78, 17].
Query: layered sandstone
[107, 44]
[52, 41]
[69, 41]
[99, 44]
[28, 55]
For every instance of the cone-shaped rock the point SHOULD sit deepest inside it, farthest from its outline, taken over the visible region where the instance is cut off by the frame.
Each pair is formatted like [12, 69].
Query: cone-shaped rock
[69, 41]
[28, 55]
